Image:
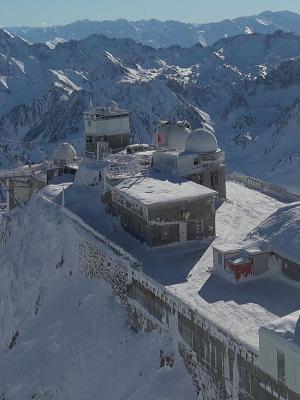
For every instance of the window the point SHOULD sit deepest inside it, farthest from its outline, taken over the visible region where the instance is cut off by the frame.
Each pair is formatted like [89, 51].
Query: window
[220, 259]
[165, 232]
[89, 139]
[200, 179]
[196, 162]
[280, 365]
[89, 123]
[214, 179]
[199, 229]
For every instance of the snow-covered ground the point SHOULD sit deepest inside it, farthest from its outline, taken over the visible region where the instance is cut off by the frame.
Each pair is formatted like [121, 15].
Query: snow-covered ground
[188, 271]
[245, 306]
[74, 341]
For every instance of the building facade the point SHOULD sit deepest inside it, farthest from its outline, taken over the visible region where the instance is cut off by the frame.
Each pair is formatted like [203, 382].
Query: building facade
[279, 350]
[106, 129]
[161, 212]
[192, 155]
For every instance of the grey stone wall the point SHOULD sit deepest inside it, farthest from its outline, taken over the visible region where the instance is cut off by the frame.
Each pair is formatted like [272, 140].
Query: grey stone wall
[204, 179]
[96, 264]
[166, 218]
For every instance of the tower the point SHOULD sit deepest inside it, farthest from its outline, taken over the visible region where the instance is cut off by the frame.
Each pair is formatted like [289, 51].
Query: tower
[106, 129]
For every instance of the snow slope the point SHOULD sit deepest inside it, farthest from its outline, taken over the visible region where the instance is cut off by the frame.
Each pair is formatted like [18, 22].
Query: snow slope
[74, 341]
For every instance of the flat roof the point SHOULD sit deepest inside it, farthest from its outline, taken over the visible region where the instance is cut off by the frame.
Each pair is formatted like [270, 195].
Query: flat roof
[157, 190]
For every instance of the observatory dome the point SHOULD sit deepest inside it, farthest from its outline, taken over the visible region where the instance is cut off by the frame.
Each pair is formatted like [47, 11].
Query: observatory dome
[112, 105]
[64, 152]
[173, 134]
[201, 140]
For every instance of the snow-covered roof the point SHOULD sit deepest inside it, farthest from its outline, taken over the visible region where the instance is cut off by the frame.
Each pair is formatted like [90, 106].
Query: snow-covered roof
[281, 233]
[202, 140]
[158, 190]
[64, 152]
[287, 327]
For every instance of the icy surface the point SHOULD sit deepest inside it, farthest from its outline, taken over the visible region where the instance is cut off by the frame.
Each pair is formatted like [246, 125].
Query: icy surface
[74, 341]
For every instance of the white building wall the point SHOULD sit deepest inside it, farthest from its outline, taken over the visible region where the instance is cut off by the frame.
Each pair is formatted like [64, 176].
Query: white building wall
[107, 127]
[218, 259]
[269, 343]
[164, 161]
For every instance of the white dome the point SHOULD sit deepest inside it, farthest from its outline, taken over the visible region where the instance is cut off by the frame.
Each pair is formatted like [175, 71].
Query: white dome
[64, 152]
[173, 134]
[112, 105]
[201, 141]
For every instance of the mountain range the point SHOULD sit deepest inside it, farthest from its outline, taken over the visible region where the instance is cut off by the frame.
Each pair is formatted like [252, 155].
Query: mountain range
[244, 87]
[157, 33]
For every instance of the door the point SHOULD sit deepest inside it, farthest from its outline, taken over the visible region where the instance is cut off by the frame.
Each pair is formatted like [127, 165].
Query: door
[183, 232]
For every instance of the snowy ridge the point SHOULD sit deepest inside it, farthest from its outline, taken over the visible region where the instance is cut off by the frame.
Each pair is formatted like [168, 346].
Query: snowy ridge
[163, 34]
[51, 312]
[249, 97]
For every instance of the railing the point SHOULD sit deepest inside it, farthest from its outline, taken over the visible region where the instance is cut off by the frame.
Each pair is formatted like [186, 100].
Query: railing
[266, 187]
[102, 113]
[122, 172]
[198, 168]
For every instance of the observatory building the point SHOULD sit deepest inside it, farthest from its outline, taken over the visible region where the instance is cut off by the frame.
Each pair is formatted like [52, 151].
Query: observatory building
[64, 154]
[172, 134]
[192, 155]
[106, 129]
[160, 210]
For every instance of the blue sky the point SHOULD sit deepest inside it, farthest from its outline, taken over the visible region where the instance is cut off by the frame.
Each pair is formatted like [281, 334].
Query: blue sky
[51, 12]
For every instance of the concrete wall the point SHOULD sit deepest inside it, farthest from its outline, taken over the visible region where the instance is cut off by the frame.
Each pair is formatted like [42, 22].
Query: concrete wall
[107, 126]
[269, 343]
[22, 189]
[260, 263]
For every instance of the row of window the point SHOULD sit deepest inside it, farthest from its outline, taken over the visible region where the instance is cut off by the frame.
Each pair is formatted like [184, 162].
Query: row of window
[214, 179]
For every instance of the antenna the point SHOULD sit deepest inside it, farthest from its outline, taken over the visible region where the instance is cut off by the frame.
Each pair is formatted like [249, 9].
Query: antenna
[91, 107]
[63, 198]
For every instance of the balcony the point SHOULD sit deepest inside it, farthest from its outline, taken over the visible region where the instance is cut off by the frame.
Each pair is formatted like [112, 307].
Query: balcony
[207, 161]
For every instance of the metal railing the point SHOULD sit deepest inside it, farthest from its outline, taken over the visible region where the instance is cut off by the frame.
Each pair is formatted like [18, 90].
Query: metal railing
[262, 186]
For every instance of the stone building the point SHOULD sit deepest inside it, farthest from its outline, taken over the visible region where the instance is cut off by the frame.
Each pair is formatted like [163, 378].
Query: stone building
[162, 211]
[106, 129]
[192, 155]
